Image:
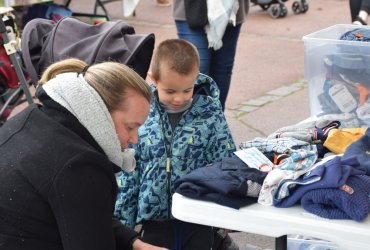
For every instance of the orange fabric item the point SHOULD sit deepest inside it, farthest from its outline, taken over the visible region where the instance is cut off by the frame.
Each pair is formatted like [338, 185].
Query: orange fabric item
[363, 93]
[339, 139]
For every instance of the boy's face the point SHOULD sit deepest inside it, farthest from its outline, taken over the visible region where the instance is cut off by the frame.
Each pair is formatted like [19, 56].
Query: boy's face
[175, 90]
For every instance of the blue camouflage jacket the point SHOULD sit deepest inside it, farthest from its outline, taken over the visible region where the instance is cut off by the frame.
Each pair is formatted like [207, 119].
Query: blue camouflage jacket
[163, 155]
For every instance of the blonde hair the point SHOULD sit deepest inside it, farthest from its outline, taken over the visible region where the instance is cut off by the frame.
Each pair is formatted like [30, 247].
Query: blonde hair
[179, 55]
[109, 79]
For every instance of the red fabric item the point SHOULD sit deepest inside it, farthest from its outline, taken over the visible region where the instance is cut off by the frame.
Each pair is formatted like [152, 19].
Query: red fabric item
[6, 69]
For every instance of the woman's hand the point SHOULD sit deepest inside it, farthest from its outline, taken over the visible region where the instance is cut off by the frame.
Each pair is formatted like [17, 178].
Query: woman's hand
[140, 245]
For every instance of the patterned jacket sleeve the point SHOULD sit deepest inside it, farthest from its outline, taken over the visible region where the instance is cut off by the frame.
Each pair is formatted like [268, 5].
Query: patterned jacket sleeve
[221, 143]
[127, 197]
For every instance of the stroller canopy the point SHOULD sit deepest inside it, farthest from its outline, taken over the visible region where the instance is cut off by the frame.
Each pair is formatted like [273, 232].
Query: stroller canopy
[45, 42]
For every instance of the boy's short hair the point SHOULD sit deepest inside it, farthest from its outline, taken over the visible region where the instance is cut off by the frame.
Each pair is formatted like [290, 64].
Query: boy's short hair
[180, 56]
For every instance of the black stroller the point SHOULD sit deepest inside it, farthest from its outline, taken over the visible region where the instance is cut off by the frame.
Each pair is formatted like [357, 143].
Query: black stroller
[45, 42]
[277, 8]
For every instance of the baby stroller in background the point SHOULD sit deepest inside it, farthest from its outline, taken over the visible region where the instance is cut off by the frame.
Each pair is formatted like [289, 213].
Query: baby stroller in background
[44, 42]
[277, 8]
[13, 83]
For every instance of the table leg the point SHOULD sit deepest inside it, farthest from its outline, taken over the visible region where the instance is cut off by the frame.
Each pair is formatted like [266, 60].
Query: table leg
[281, 243]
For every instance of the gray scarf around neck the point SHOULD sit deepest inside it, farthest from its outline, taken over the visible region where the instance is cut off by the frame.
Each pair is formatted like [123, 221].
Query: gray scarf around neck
[72, 92]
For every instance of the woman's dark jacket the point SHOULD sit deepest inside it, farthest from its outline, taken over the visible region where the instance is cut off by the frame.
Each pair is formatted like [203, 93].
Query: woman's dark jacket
[57, 187]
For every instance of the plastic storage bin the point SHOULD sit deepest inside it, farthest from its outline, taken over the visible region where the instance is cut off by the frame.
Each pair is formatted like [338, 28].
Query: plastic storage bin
[338, 74]
[298, 242]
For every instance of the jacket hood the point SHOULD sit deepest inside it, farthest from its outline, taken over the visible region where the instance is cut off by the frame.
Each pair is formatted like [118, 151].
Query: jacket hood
[205, 85]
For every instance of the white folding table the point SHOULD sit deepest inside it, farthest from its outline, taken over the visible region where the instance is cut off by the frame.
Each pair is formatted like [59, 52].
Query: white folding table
[274, 222]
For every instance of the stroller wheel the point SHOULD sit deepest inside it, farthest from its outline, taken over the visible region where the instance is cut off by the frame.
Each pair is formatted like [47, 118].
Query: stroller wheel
[265, 6]
[274, 11]
[283, 11]
[304, 6]
[300, 7]
[296, 7]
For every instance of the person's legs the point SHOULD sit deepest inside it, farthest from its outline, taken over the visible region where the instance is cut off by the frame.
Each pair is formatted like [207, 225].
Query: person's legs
[364, 11]
[222, 61]
[199, 38]
[177, 235]
[217, 64]
[195, 236]
[354, 7]
[365, 6]
[159, 233]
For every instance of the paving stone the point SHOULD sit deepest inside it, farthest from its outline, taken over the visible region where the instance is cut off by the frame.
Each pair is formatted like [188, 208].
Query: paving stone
[300, 84]
[233, 108]
[247, 108]
[284, 91]
[260, 101]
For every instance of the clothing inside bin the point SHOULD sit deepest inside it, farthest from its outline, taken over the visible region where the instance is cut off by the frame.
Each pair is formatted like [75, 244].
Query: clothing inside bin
[359, 34]
[352, 68]
[301, 242]
[346, 88]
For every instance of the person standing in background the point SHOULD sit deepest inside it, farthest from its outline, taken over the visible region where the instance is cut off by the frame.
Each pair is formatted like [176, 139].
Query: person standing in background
[360, 10]
[216, 57]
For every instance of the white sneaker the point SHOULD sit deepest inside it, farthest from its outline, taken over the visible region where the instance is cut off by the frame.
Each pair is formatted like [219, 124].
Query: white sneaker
[359, 21]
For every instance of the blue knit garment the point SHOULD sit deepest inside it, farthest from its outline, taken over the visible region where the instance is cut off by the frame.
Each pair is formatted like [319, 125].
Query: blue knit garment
[335, 203]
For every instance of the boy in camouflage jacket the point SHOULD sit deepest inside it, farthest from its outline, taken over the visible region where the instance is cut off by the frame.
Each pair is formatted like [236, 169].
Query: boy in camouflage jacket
[186, 129]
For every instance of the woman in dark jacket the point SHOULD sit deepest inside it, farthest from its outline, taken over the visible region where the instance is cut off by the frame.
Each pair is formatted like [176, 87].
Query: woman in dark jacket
[59, 158]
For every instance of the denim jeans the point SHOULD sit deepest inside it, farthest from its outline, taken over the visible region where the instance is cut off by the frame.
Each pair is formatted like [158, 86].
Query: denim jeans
[218, 64]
